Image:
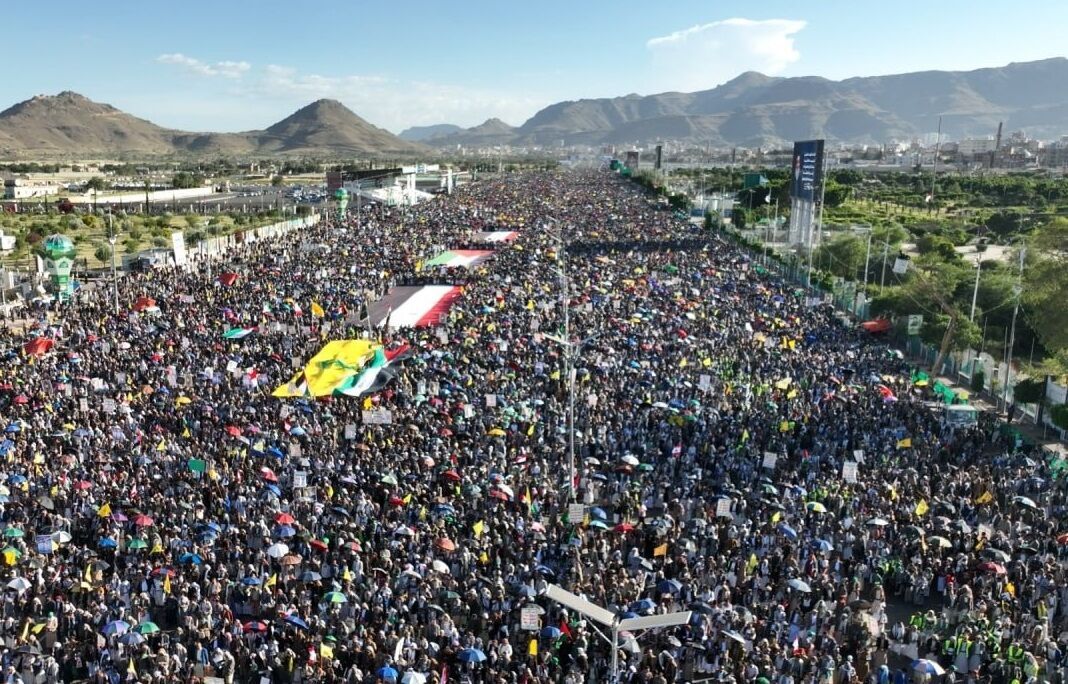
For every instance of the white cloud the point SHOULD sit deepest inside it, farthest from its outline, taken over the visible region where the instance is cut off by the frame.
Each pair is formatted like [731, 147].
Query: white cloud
[395, 104]
[707, 55]
[226, 69]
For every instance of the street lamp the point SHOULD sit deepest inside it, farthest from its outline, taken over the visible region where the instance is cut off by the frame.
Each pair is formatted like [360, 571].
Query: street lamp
[112, 239]
[612, 622]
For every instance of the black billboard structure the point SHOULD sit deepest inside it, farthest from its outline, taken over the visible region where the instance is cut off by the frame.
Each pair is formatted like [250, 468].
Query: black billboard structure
[632, 160]
[806, 194]
[659, 157]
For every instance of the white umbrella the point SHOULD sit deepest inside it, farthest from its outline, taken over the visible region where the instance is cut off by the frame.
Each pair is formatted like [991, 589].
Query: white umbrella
[878, 522]
[799, 585]
[413, 677]
[19, 584]
[61, 536]
[507, 490]
[277, 550]
[439, 566]
[630, 459]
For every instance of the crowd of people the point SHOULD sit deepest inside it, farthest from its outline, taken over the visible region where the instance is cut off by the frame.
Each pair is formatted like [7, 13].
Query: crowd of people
[740, 452]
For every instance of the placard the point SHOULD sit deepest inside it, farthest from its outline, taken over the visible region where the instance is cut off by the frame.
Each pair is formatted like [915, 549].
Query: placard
[849, 472]
[491, 400]
[723, 508]
[858, 455]
[704, 383]
[109, 405]
[120, 379]
[377, 417]
[83, 405]
[294, 450]
[295, 361]
[350, 431]
[770, 459]
[530, 618]
[300, 479]
[576, 513]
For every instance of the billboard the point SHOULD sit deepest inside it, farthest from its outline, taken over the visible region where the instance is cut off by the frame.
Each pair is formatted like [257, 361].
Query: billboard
[632, 160]
[807, 173]
[659, 156]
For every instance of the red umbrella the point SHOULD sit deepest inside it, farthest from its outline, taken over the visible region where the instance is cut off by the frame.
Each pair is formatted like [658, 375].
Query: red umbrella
[143, 303]
[396, 501]
[318, 544]
[451, 475]
[355, 545]
[82, 485]
[228, 279]
[623, 527]
[22, 399]
[1063, 539]
[254, 627]
[39, 346]
[163, 572]
[233, 431]
[990, 566]
[445, 544]
[284, 519]
[268, 475]
[498, 494]
[143, 521]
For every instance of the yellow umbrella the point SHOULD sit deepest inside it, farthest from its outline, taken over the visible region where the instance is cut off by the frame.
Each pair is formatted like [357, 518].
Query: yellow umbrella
[182, 401]
[496, 432]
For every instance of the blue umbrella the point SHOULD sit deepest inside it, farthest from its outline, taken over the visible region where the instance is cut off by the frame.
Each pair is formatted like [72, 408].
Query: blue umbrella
[525, 590]
[643, 606]
[472, 655]
[13, 428]
[788, 531]
[273, 489]
[116, 627]
[627, 614]
[190, 559]
[822, 545]
[284, 531]
[598, 512]
[550, 632]
[545, 570]
[276, 452]
[251, 581]
[386, 672]
[107, 543]
[669, 586]
[601, 477]
[309, 576]
[799, 585]
[16, 479]
[132, 639]
[213, 526]
[296, 621]
[298, 431]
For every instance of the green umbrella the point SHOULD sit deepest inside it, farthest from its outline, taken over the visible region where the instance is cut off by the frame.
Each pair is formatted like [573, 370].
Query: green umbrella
[335, 597]
[13, 533]
[137, 544]
[389, 479]
[12, 550]
[645, 467]
[146, 627]
[599, 524]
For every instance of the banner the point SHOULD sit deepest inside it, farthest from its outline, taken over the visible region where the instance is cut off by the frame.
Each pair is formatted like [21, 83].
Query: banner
[807, 176]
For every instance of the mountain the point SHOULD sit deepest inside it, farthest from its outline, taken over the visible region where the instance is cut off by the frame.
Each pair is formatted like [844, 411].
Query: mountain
[71, 125]
[425, 133]
[757, 110]
[487, 134]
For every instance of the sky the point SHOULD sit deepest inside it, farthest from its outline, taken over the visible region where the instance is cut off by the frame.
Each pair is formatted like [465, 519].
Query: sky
[237, 65]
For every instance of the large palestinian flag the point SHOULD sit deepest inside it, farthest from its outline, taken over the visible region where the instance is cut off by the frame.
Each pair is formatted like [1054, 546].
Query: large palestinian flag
[413, 307]
[496, 236]
[456, 258]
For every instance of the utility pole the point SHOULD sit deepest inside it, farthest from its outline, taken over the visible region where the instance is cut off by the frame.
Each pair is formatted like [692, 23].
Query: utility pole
[975, 291]
[1017, 291]
[112, 239]
[882, 279]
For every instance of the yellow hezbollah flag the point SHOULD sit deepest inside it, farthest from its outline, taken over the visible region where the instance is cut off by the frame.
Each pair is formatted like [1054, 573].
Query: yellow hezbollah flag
[660, 550]
[317, 310]
[479, 528]
[167, 584]
[271, 581]
[532, 649]
[985, 498]
[921, 507]
[335, 363]
[904, 443]
[104, 511]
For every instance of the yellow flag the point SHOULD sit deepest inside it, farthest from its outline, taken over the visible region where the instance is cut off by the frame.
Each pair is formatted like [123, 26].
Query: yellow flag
[422, 513]
[682, 362]
[131, 669]
[407, 499]
[317, 310]
[660, 550]
[532, 649]
[89, 572]
[25, 631]
[162, 446]
[273, 580]
[985, 498]
[186, 433]
[104, 511]
[483, 558]
[904, 443]
[167, 584]
[329, 492]
[326, 651]
[776, 517]
[921, 507]
[479, 528]
[39, 627]
[752, 563]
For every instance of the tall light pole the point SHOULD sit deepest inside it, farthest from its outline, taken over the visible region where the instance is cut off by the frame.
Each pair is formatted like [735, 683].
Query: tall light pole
[1017, 290]
[975, 291]
[112, 239]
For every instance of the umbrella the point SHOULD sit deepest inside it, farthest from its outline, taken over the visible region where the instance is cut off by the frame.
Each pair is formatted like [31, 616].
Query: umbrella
[439, 566]
[623, 527]
[472, 655]
[928, 667]
[191, 559]
[940, 542]
[630, 460]
[997, 554]
[116, 627]
[389, 479]
[550, 632]
[335, 597]
[822, 545]
[137, 544]
[309, 576]
[132, 639]
[146, 627]
[284, 519]
[386, 672]
[702, 607]
[13, 533]
[799, 585]
[143, 521]
[598, 512]
[277, 551]
[296, 621]
[284, 531]
[445, 544]
[254, 626]
[251, 581]
[413, 677]
[107, 543]
[669, 586]
[19, 584]
[1025, 502]
[990, 566]
[643, 606]
[816, 507]
[731, 634]
[878, 522]
[788, 531]
[599, 524]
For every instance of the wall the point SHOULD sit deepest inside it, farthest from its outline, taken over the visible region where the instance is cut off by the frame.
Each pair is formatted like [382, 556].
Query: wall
[134, 197]
[220, 245]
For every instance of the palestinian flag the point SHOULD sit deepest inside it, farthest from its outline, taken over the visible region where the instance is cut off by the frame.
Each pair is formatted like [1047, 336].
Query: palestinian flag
[461, 258]
[496, 236]
[378, 373]
[413, 306]
[238, 333]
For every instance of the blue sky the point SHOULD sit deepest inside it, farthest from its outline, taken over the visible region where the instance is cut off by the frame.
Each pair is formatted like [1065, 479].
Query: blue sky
[239, 65]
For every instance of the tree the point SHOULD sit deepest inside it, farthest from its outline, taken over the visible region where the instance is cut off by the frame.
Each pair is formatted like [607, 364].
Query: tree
[843, 256]
[1045, 285]
[192, 220]
[97, 183]
[185, 179]
[102, 253]
[277, 181]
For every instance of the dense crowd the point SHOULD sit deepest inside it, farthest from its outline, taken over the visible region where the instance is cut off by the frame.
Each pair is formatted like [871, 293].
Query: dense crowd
[740, 451]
